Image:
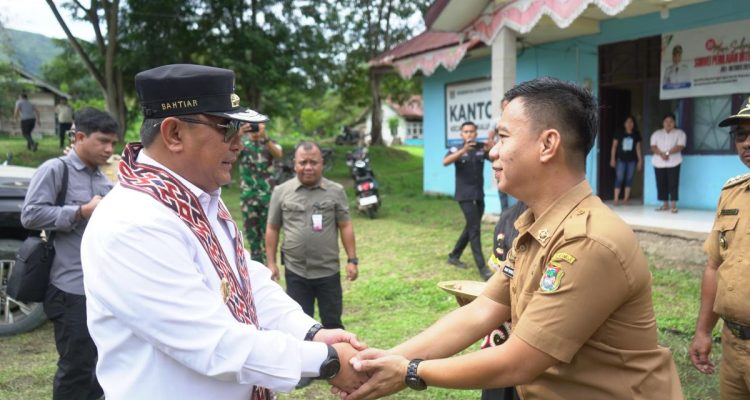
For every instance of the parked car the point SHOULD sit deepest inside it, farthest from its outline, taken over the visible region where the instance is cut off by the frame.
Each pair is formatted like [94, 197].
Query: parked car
[15, 317]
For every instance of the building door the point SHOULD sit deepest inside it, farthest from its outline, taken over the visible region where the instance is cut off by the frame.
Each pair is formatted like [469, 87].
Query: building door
[627, 72]
[615, 107]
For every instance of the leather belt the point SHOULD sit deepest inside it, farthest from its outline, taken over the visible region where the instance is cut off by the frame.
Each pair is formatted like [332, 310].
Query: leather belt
[738, 330]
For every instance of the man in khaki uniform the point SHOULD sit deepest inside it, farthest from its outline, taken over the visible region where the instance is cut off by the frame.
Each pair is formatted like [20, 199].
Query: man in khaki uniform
[725, 287]
[576, 284]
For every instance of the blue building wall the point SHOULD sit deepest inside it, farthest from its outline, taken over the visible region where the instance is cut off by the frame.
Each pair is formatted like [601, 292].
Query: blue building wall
[577, 60]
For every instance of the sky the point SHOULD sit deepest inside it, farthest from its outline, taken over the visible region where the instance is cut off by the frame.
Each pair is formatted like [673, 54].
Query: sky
[36, 16]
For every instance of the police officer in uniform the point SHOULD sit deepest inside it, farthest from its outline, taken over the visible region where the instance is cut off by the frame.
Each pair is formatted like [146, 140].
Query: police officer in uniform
[256, 185]
[469, 193]
[725, 290]
[575, 284]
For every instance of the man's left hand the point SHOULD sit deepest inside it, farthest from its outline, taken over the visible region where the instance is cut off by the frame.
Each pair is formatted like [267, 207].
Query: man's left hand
[352, 271]
[333, 336]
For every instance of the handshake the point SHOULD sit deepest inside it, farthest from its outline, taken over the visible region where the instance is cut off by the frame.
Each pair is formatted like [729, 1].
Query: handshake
[365, 373]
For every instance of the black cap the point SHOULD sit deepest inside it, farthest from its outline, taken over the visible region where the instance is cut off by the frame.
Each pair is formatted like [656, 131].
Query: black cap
[742, 115]
[181, 89]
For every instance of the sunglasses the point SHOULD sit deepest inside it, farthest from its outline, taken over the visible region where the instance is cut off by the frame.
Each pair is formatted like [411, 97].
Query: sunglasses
[230, 129]
[740, 135]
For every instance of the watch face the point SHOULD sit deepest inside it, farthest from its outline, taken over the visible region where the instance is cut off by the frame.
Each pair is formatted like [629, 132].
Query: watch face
[415, 383]
[330, 369]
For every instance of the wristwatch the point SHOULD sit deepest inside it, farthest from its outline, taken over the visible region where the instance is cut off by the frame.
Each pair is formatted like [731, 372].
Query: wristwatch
[667, 153]
[331, 366]
[413, 380]
[353, 260]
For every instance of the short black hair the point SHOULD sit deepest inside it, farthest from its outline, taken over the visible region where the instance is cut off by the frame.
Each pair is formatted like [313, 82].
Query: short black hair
[468, 123]
[89, 120]
[24, 95]
[307, 145]
[149, 130]
[677, 49]
[565, 106]
[669, 115]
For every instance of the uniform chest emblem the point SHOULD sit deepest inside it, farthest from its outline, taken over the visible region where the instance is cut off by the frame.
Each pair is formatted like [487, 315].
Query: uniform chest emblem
[551, 279]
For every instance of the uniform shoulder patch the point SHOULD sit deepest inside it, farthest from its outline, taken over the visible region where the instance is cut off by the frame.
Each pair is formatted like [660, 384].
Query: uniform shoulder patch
[576, 225]
[736, 181]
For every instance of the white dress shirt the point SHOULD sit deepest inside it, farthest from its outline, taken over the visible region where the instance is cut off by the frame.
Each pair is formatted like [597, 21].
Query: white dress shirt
[665, 141]
[156, 314]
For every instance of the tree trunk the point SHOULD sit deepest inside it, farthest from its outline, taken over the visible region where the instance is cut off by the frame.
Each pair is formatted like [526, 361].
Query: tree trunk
[376, 131]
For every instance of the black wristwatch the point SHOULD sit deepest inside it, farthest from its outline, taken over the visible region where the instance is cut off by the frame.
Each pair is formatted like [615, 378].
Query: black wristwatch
[413, 380]
[331, 366]
[312, 332]
[353, 260]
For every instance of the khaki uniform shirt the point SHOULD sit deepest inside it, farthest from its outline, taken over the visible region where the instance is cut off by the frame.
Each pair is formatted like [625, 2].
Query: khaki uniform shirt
[579, 289]
[308, 252]
[727, 246]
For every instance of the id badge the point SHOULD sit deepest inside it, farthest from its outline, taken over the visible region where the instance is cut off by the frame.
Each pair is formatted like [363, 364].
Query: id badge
[317, 222]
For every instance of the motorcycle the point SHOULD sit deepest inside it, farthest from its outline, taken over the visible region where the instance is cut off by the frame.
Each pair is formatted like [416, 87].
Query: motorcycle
[365, 185]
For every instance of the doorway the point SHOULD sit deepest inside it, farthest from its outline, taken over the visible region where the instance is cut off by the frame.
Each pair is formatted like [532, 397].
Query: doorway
[628, 73]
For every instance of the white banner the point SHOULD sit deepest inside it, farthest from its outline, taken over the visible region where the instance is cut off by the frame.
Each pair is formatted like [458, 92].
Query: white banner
[709, 61]
[464, 102]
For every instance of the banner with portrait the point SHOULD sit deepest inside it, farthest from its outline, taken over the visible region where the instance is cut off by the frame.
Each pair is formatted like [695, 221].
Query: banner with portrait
[467, 101]
[708, 61]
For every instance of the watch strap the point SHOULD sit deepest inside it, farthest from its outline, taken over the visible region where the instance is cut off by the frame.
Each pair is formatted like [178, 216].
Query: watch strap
[412, 379]
[312, 332]
[353, 260]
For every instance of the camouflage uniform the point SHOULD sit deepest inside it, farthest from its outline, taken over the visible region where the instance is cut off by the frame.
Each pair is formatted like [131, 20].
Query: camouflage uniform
[256, 185]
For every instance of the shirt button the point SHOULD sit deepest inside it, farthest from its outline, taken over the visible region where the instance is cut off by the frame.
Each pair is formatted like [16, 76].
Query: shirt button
[730, 288]
[522, 248]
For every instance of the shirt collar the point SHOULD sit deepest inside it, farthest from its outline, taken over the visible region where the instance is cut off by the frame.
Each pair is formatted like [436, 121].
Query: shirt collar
[77, 163]
[544, 228]
[298, 184]
[206, 198]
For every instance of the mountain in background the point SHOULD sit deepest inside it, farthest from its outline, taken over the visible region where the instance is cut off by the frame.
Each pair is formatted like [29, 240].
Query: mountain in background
[31, 50]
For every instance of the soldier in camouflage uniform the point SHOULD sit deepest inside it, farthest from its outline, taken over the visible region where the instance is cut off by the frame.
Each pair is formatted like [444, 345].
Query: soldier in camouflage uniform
[256, 185]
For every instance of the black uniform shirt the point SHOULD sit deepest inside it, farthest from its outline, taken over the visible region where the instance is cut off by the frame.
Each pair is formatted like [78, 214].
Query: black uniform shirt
[470, 174]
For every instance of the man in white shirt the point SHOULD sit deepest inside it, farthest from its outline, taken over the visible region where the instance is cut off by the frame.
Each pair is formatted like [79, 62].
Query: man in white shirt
[175, 305]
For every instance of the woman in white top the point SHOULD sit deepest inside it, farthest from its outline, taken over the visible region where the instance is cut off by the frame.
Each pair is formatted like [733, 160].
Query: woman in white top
[666, 146]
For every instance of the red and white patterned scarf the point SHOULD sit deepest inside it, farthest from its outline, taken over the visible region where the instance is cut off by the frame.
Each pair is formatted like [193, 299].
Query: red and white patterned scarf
[169, 191]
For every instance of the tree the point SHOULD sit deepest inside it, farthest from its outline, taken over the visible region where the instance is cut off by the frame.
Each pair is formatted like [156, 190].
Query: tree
[67, 72]
[101, 61]
[364, 29]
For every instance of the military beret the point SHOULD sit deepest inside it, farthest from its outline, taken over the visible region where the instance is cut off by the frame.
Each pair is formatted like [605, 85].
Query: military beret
[742, 115]
[182, 89]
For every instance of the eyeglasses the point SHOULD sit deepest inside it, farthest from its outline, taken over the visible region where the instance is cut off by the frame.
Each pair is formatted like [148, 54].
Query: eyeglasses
[230, 130]
[740, 135]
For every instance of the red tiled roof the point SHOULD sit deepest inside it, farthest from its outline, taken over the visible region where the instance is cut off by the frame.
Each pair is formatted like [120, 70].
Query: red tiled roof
[421, 43]
[411, 108]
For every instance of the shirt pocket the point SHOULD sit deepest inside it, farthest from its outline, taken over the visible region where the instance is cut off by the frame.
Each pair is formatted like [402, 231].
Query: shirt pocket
[294, 213]
[328, 209]
[726, 227]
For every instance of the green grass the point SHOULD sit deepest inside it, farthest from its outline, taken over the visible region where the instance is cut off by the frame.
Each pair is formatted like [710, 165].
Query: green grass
[402, 257]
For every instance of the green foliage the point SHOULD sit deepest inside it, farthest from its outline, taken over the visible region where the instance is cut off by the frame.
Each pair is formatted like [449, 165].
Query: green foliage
[312, 120]
[67, 72]
[393, 123]
[10, 88]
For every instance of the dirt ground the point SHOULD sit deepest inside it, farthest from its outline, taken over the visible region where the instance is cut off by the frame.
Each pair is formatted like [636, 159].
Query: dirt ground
[674, 249]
